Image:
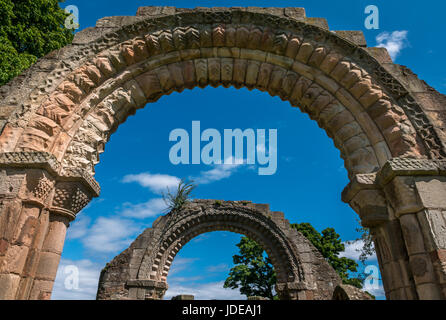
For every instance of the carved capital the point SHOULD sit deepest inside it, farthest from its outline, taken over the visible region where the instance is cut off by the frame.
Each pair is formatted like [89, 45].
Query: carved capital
[69, 198]
[412, 185]
[366, 197]
[402, 195]
[406, 184]
[37, 187]
[37, 177]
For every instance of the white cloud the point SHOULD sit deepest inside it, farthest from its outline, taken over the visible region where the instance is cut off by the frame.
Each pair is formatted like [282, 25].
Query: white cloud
[157, 183]
[204, 291]
[78, 228]
[218, 268]
[88, 273]
[110, 235]
[352, 250]
[219, 171]
[151, 208]
[394, 42]
[201, 291]
[201, 237]
[377, 291]
[184, 279]
[180, 264]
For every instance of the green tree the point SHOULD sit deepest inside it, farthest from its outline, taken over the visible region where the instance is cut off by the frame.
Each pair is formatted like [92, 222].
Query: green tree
[330, 245]
[253, 272]
[29, 29]
[368, 249]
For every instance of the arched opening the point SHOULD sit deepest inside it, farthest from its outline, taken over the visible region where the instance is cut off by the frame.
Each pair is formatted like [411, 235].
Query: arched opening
[202, 266]
[140, 272]
[390, 146]
[284, 190]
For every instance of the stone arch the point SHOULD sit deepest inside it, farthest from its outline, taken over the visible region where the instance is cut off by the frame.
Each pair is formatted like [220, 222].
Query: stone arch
[347, 292]
[339, 84]
[140, 272]
[56, 118]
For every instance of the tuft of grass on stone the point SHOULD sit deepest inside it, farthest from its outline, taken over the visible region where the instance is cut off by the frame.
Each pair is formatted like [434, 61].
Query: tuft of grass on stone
[176, 201]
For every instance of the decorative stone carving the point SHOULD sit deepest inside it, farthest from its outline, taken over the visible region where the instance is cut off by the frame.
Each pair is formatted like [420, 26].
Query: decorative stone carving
[36, 204]
[168, 41]
[69, 198]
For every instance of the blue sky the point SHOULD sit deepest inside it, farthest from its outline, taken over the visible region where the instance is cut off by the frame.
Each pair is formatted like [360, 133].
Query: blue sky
[310, 174]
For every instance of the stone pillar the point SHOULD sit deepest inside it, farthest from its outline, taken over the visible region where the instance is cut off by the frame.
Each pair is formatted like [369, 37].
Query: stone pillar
[37, 204]
[369, 201]
[419, 202]
[404, 206]
[49, 257]
[146, 289]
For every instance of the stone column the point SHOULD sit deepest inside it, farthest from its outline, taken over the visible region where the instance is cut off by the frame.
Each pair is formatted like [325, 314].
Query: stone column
[416, 190]
[404, 206]
[366, 197]
[37, 204]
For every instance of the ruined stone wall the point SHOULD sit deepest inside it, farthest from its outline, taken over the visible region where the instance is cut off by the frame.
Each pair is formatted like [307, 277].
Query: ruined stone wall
[133, 274]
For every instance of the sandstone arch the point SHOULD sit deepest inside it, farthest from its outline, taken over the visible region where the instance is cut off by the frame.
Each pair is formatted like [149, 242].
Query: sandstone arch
[140, 272]
[389, 126]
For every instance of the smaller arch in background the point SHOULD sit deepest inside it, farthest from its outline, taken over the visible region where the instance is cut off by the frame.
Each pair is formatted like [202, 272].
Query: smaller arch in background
[140, 272]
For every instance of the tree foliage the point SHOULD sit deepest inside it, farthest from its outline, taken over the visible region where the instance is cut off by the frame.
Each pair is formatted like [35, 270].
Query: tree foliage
[29, 29]
[330, 245]
[368, 249]
[253, 272]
